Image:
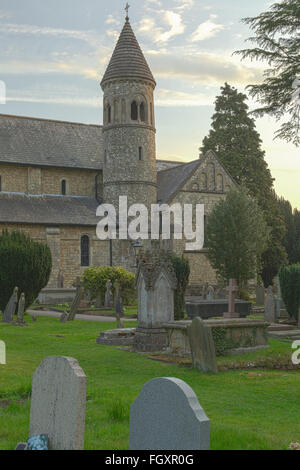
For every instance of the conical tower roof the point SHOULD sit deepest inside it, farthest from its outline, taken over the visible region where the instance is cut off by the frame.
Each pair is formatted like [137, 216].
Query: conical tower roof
[128, 60]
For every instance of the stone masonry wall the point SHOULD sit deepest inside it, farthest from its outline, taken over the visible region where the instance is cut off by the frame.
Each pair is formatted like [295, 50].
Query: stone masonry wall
[64, 243]
[35, 180]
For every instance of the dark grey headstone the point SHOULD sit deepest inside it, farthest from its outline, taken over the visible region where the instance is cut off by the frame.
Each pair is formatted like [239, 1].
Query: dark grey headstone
[167, 416]
[202, 346]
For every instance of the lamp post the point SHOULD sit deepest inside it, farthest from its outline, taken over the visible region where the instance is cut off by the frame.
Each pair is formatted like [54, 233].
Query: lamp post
[137, 246]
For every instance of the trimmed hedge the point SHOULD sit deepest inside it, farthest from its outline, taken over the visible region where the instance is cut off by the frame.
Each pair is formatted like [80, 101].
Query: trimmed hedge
[25, 264]
[289, 277]
[95, 279]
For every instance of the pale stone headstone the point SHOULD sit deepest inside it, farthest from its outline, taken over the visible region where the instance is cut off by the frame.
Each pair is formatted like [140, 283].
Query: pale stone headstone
[232, 291]
[210, 293]
[202, 346]
[270, 306]
[58, 403]
[167, 416]
[77, 299]
[10, 308]
[108, 295]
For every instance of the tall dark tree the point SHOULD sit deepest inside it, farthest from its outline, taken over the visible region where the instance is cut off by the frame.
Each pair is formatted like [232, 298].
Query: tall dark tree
[237, 144]
[290, 236]
[277, 43]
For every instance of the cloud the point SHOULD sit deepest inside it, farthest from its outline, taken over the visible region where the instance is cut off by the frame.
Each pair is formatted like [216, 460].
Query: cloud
[4, 14]
[206, 30]
[112, 20]
[170, 98]
[157, 33]
[184, 4]
[91, 37]
[202, 67]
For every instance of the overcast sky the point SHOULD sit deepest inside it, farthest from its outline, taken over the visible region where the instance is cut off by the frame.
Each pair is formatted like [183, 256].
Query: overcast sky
[54, 53]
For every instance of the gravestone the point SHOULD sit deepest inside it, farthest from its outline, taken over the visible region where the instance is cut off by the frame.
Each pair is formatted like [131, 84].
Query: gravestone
[167, 416]
[21, 309]
[118, 300]
[58, 403]
[260, 295]
[270, 306]
[232, 290]
[155, 282]
[210, 293]
[108, 295]
[10, 308]
[204, 291]
[64, 318]
[77, 299]
[202, 346]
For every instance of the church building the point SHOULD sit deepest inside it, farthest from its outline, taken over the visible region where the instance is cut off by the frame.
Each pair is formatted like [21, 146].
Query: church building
[54, 174]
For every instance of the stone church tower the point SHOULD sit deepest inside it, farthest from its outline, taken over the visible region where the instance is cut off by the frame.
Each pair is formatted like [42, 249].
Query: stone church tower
[129, 167]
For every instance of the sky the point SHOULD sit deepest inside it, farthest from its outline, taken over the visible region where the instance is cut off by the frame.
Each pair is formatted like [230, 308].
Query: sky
[53, 55]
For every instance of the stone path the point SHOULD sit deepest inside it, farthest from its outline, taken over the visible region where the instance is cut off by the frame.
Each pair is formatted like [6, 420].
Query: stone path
[79, 316]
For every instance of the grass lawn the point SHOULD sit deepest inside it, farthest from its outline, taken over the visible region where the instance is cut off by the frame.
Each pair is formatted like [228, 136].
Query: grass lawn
[248, 409]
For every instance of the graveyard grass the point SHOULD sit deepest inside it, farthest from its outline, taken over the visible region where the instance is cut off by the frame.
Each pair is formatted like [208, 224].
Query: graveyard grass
[248, 409]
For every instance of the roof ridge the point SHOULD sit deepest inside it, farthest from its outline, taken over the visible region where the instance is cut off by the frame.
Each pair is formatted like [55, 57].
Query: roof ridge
[176, 167]
[49, 120]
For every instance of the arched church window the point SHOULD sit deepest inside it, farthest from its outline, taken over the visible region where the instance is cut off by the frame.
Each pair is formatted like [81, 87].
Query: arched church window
[63, 187]
[109, 114]
[143, 112]
[134, 111]
[195, 187]
[151, 114]
[85, 250]
[0, 183]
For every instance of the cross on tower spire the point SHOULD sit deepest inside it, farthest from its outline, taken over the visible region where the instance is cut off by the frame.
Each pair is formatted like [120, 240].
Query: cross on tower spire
[127, 9]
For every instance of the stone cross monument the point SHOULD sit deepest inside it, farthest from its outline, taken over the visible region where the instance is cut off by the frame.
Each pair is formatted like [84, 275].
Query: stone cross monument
[232, 291]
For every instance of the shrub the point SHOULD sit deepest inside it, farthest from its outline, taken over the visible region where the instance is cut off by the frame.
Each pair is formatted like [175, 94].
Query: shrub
[95, 280]
[289, 277]
[25, 264]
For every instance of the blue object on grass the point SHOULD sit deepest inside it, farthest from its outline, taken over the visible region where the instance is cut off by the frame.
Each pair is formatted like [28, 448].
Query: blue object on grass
[40, 442]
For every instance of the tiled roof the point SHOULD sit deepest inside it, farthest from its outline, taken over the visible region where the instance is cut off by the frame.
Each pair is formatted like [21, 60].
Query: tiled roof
[128, 60]
[47, 210]
[170, 181]
[42, 142]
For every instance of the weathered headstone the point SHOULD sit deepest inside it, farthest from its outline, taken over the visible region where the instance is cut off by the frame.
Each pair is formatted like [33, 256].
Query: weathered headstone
[167, 416]
[210, 293]
[11, 307]
[204, 291]
[77, 299]
[270, 306]
[63, 318]
[202, 346]
[118, 300]
[232, 290]
[155, 282]
[58, 403]
[260, 295]
[21, 310]
[108, 295]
